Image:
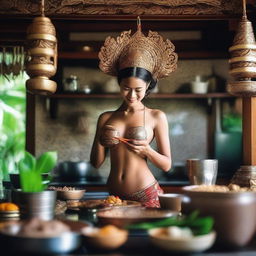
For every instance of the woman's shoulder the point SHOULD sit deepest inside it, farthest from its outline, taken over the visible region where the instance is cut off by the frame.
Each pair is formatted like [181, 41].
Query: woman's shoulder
[157, 113]
[105, 116]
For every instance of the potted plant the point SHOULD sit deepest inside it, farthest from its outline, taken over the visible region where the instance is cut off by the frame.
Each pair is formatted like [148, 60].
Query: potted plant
[33, 198]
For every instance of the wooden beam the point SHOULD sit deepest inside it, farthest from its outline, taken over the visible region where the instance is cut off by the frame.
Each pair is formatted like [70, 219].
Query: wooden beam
[30, 123]
[249, 130]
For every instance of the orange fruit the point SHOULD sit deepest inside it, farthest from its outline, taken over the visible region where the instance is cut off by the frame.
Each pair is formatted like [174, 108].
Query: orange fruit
[8, 207]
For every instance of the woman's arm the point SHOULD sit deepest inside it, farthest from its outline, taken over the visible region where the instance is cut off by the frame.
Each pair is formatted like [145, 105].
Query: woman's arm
[98, 152]
[162, 157]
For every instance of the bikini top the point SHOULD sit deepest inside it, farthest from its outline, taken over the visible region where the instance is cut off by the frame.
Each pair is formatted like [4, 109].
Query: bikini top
[110, 136]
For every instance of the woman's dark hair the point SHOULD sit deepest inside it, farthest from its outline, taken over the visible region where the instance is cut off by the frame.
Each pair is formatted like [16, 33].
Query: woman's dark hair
[141, 73]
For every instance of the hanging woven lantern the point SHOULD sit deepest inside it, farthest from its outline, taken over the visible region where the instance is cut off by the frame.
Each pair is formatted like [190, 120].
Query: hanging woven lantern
[41, 60]
[243, 59]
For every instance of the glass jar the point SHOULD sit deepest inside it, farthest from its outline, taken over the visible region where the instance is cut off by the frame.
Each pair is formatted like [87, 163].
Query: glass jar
[71, 83]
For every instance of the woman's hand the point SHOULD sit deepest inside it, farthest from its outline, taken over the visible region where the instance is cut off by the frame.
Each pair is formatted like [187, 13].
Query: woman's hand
[140, 147]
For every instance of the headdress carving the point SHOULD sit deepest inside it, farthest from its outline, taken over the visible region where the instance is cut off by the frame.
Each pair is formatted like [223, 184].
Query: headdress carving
[151, 52]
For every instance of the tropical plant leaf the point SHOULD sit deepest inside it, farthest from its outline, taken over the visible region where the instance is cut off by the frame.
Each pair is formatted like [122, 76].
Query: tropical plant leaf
[46, 162]
[28, 163]
[12, 122]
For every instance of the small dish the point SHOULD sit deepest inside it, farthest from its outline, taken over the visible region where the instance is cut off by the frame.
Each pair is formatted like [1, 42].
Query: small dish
[9, 214]
[70, 194]
[108, 237]
[193, 244]
[171, 201]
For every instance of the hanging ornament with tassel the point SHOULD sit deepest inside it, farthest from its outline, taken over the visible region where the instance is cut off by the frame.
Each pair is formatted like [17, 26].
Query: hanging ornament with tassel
[41, 59]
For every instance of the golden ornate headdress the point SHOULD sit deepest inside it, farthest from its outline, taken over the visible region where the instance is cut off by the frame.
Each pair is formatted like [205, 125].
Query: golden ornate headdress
[149, 52]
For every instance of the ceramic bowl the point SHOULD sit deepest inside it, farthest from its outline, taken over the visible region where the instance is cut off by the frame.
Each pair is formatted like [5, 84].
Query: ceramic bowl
[124, 216]
[233, 212]
[70, 194]
[170, 201]
[193, 244]
[109, 241]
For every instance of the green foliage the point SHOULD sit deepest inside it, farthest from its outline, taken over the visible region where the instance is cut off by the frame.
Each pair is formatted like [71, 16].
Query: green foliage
[198, 225]
[232, 122]
[31, 170]
[12, 124]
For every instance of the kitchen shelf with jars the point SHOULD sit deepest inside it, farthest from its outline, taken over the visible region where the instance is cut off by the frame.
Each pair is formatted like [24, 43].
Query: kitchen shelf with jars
[53, 99]
[153, 95]
[72, 88]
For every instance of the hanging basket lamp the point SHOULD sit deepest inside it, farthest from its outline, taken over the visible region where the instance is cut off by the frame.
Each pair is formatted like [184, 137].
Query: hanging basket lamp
[41, 59]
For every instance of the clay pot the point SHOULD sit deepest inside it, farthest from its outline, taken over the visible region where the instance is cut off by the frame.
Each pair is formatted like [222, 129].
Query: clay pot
[233, 212]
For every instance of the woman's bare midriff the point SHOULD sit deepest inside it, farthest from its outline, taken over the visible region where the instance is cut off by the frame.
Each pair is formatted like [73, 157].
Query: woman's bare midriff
[129, 172]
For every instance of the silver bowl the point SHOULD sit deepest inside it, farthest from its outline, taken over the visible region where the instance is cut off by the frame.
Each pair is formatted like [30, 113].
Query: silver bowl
[64, 243]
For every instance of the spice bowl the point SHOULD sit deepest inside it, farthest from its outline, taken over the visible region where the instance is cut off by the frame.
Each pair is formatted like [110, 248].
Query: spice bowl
[170, 201]
[70, 194]
[108, 237]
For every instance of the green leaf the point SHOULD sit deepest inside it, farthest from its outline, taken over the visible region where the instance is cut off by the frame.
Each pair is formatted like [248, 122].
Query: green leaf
[28, 163]
[46, 162]
[198, 225]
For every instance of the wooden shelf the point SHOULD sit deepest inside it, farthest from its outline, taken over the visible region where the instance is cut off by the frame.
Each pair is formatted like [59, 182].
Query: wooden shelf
[182, 55]
[153, 95]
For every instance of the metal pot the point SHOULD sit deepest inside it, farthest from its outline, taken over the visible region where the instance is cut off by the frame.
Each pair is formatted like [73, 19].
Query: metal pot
[76, 171]
[35, 204]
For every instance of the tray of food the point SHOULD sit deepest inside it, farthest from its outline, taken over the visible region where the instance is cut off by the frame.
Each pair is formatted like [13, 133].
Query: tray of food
[98, 204]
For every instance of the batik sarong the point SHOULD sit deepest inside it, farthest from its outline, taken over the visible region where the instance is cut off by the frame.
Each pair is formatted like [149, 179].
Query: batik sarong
[148, 196]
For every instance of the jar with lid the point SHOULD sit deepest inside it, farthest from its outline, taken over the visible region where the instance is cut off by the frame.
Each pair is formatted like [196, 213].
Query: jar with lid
[71, 83]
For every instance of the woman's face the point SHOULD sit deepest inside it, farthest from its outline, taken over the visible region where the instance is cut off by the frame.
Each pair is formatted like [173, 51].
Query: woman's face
[133, 89]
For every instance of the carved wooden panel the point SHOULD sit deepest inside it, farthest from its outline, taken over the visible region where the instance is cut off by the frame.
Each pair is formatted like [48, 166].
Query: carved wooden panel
[122, 7]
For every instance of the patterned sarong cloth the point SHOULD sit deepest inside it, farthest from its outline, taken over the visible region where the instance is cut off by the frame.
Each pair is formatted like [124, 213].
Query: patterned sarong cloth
[148, 196]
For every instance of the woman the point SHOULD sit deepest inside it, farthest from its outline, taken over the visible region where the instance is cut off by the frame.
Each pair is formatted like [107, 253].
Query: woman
[128, 131]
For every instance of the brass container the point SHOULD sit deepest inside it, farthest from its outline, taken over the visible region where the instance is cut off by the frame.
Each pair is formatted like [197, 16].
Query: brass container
[41, 59]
